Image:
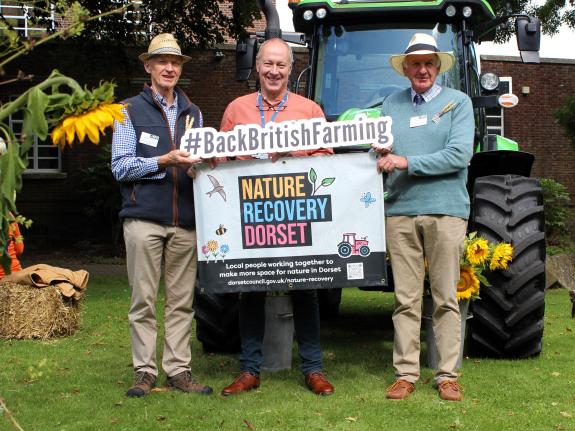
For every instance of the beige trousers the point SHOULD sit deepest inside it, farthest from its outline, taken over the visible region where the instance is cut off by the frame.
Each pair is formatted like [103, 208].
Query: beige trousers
[148, 245]
[440, 240]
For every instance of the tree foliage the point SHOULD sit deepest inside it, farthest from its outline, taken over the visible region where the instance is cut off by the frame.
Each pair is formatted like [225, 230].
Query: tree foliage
[565, 116]
[194, 22]
[551, 13]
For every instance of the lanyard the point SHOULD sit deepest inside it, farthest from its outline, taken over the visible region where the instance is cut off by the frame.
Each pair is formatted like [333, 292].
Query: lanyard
[276, 110]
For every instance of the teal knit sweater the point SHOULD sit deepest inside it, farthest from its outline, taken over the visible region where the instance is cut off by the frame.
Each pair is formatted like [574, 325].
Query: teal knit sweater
[437, 155]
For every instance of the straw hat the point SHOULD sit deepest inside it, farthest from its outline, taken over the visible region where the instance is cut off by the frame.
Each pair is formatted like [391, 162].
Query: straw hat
[422, 43]
[164, 44]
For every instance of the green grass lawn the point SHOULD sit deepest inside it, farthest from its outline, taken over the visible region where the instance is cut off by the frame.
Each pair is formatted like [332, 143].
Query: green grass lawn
[78, 383]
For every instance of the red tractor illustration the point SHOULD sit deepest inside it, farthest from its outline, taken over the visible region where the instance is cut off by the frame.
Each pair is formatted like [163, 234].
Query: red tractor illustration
[349, 245]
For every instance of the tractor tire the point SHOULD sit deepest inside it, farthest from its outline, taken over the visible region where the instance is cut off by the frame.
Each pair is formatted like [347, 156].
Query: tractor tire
[344, 249]
[329, 300]
[508, 319]
[364, 251]
[217, 321]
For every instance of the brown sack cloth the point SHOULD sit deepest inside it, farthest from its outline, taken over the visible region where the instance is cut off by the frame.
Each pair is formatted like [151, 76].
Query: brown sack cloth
[69, 283]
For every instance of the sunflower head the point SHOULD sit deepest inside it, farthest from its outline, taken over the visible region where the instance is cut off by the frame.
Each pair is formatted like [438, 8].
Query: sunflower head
[88, 114]
[468, 285]
[477, 251]
[502, 255]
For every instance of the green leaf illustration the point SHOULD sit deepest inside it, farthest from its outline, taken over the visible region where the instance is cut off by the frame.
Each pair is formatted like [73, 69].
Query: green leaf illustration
[327, 181]
[312, 176]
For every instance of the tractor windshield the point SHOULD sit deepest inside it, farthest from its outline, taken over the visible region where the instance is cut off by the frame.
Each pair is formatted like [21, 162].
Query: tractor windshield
[353, 69]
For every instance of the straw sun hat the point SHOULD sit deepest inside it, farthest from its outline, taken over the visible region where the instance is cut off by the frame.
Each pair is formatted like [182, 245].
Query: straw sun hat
[164, 44]
[422, 43]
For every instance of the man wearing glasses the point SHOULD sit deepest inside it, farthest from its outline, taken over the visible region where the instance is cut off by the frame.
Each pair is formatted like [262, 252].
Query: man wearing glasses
[274, 103]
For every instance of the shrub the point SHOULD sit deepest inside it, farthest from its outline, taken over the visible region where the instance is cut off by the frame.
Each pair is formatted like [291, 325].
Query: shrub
[556, 201]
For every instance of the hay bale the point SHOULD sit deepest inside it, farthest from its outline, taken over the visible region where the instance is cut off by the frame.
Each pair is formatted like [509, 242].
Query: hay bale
[28, 312]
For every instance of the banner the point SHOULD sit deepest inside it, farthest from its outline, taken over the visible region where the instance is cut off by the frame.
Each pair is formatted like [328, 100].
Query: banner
[299, 223]
[287, 136]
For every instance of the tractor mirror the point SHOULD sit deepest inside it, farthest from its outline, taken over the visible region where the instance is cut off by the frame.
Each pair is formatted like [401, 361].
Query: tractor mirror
[245, 58]
[528, 31]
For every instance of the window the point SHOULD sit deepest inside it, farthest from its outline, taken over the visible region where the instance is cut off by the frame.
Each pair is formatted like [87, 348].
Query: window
[43, 156]
[18, 16]
[495, 117]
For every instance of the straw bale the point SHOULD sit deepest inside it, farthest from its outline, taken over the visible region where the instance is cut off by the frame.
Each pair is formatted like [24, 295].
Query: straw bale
[28, 312]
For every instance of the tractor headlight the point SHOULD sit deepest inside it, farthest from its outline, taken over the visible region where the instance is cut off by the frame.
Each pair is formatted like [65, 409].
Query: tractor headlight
[450, 11]
[308, 15]
[467, 11]
[489, 81]
[320, 13]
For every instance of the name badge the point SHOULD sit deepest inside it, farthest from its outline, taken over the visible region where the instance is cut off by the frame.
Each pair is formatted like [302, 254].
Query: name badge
[149, 139]
[420, 120]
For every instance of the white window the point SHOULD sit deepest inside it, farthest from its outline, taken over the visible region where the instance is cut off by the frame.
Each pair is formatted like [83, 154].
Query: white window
[18, 16]
[495, 117]
[43, 156]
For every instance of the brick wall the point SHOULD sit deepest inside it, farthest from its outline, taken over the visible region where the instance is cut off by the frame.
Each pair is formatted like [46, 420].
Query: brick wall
[531, 122]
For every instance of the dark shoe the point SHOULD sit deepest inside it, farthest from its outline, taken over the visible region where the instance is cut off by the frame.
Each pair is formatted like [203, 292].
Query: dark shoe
[399, 390]
[318, 384]
[143, 384]
[245, 382]
[450, 390]
[186, 383]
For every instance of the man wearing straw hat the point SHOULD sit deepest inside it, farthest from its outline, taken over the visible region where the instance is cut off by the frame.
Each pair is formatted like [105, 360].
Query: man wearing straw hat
[158, 217]
[427, 210]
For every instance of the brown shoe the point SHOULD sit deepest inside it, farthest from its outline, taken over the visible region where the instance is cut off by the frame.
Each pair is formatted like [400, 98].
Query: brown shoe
[399, 390]
[318, 384]
[243, 383]
[450, 390]
[186, 383]
[143, 384]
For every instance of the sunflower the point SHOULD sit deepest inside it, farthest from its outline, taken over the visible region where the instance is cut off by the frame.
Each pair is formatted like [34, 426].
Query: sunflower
[502, 255]
[89, 123]
[468, 285]
[477, 251]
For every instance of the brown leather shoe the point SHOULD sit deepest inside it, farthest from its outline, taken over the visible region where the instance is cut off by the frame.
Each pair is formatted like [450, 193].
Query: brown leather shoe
[450, 390]
[399, 390]
[244, 382]
[143, 384]
[186, 383]
[318, 384]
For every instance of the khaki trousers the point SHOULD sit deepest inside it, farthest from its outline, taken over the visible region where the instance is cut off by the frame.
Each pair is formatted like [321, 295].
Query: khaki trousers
[148, 245]
[440, 240]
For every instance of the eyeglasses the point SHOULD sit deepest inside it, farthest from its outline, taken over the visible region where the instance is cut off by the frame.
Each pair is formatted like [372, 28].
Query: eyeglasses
[272, 108]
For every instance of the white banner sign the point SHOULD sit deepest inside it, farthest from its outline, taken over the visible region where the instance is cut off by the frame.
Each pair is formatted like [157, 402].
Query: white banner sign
[299, 223]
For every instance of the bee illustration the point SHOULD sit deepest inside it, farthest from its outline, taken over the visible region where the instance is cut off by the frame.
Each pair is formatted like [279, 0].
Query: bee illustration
[221, 230]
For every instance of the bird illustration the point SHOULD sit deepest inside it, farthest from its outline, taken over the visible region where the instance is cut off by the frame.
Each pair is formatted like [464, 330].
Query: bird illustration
[221, 230]
[218, 188]
[367, 199]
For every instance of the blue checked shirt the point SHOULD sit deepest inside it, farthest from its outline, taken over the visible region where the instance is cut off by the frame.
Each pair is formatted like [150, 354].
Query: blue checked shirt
[126, 166]
[429, 94]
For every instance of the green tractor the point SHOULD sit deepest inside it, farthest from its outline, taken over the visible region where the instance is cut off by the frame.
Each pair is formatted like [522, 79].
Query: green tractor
[348, 74]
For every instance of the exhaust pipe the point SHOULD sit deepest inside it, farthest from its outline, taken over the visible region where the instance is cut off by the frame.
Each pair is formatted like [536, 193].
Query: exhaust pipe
[273, 29]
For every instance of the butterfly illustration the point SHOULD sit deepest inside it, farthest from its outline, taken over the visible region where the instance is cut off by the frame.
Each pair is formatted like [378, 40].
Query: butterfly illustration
[367, 199]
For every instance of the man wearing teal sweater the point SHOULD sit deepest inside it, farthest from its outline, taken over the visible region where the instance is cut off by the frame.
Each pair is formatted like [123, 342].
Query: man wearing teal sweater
[427, 210]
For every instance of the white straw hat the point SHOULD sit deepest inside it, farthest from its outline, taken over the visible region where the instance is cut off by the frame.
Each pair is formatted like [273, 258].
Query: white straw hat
[422, 43]
[164, 44]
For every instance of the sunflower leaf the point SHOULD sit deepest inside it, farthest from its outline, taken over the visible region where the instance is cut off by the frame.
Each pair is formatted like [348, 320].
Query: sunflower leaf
[34, 120]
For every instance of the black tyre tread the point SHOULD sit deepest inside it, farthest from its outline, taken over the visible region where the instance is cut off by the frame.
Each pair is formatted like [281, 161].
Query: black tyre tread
[508, 319]
[217, 322]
